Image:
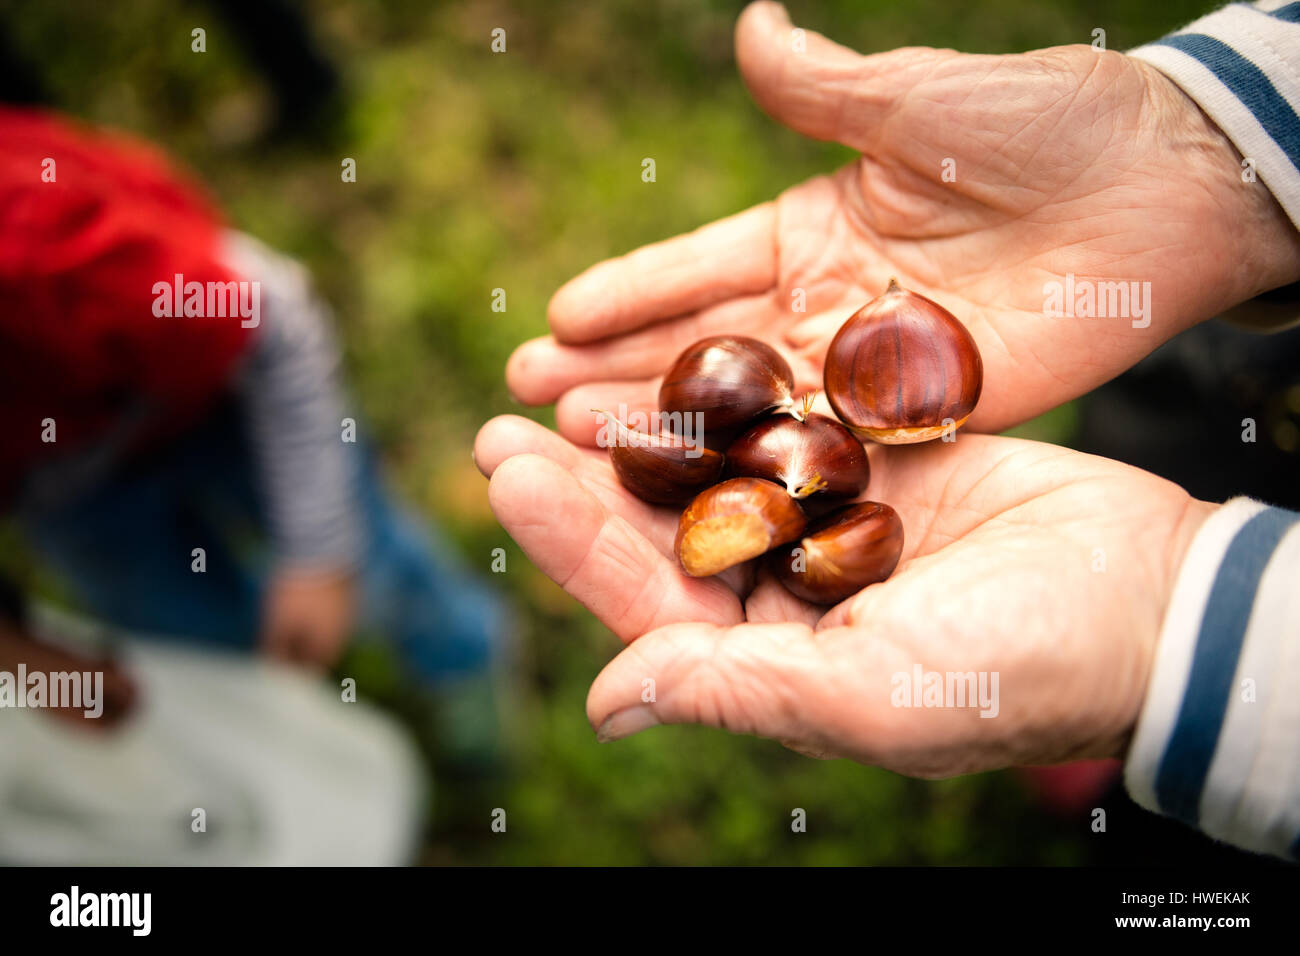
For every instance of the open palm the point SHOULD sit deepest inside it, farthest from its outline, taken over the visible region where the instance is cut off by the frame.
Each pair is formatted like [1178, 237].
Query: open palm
[1021, 559]
[1066, 161]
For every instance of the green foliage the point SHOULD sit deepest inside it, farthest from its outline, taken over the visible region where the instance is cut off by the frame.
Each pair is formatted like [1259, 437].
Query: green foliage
[478, 171]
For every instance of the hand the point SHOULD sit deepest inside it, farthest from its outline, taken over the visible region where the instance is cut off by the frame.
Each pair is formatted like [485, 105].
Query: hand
[308, 616]
[1067, 160]
[1049, 567]
[119, 695]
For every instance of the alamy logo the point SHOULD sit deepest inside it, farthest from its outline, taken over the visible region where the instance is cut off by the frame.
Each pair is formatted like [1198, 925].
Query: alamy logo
[1086, 299]
[132, 910]
[209, 300]
[71, 690]
[922, 688]
[624, 429]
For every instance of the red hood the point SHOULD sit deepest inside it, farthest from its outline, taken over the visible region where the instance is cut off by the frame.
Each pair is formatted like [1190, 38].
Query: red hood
[79, 257]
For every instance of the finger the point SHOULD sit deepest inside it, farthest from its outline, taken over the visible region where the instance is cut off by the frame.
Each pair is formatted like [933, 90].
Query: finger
[634, 403]
[723, 260]
[818, 87]
[596, 555]
[838, 616]
[542, 369]
[770, 602]
[817, 329]
[763, 679]
[509, 435]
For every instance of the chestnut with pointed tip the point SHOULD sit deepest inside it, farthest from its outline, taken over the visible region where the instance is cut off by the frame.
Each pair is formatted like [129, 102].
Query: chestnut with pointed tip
[841, 554]
[728, 379]
[660, 469]
[902, 369]
[733, 522]
[813, 456]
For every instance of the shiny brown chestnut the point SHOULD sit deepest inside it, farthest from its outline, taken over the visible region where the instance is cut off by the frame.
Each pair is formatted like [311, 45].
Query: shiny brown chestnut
[815, 455]
[729, 380]
[661, 469]
[841, 554]
[902, 369]
[733, 522]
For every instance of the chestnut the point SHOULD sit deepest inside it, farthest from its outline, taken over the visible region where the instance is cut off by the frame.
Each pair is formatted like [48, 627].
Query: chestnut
[727, 379]
[733, 522]
[661, 469]
[902, 369]
[841, 554]
[809, 455]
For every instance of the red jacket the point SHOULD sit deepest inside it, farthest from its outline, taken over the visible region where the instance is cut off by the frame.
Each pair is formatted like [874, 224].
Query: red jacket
[79, 256]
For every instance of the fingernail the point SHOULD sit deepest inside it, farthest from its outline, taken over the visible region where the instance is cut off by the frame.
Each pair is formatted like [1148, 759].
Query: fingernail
[626, 722]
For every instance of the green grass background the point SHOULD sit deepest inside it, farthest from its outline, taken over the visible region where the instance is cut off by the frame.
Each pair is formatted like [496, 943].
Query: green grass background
[478, 171]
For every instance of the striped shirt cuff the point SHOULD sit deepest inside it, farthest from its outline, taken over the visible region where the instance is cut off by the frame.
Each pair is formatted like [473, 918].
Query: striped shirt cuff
[1218, 742]
[1241, 64]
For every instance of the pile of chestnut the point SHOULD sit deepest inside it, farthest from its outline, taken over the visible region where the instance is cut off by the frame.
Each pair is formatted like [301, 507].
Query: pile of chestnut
[768, 476]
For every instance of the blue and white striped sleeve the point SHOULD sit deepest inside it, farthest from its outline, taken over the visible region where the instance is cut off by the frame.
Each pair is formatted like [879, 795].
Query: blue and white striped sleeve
[293, 399]
[1218, 742]
[1241, 64]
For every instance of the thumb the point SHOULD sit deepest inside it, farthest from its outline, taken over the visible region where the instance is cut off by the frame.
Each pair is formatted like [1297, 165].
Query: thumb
[818, 87]
[762, 679]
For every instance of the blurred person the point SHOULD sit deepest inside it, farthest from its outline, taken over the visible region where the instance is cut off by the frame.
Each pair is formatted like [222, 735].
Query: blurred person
[1068, 160]
[176, 447]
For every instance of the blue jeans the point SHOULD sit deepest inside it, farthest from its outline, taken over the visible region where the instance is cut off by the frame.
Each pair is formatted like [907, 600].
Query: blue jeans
[124, 552]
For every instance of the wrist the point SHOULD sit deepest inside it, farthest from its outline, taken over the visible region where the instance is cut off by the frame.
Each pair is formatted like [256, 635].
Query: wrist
[1196, 550]
[1214, 744]
[1252, 244]
[1176, 550]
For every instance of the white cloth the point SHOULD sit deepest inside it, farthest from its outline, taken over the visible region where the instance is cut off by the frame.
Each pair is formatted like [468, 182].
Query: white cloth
[285, 771]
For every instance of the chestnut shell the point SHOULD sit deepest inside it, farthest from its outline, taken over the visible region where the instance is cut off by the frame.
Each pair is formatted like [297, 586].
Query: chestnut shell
[817, 456]
[729, 379]
[661, 469]
[844, 552]
[902, 365]
[732, 522]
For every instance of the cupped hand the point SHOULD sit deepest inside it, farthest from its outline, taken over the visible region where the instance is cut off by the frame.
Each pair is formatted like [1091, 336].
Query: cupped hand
[1062, 161]
[1049, 568]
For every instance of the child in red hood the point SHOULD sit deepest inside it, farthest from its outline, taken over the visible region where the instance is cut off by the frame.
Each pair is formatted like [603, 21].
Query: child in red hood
[175, 439]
